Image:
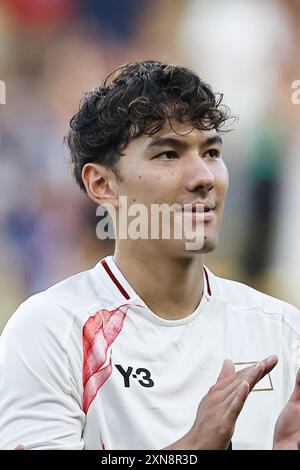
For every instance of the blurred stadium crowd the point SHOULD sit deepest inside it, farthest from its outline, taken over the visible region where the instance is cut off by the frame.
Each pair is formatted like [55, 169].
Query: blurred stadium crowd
[51, 51]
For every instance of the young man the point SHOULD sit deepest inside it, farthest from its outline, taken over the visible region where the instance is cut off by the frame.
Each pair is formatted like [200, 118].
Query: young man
[120, 356]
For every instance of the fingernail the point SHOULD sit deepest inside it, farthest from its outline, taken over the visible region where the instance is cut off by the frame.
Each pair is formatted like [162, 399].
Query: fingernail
[271, 359]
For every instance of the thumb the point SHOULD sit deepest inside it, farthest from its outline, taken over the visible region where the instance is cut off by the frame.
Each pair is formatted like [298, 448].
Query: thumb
[227, 370]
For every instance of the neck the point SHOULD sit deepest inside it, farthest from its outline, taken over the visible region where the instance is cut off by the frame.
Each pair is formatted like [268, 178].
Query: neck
[170, 286]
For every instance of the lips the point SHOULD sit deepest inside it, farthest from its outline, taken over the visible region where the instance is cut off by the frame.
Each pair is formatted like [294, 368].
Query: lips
[199, 207]
[200, 211]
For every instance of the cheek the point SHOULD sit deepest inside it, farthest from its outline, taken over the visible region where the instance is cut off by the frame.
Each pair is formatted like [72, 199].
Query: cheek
[152, 186]
[222, 182]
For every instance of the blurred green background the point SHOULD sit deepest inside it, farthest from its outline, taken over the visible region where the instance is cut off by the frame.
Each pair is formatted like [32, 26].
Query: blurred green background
[51, 51]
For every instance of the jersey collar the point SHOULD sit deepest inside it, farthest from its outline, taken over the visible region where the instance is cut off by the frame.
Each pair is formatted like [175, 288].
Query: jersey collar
[111, 270]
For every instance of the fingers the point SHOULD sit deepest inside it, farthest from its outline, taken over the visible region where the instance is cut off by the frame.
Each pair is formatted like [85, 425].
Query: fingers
[227, 370]
[238, 391]
[251, 374]
[227, 397]
[267, 363]
[238, 396]
[231, 390]
[261, 369]
[238, 401]
[233, 380]
[298, 444]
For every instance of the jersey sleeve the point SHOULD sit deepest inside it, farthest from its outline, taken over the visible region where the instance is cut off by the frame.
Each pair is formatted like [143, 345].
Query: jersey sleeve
[40, 399]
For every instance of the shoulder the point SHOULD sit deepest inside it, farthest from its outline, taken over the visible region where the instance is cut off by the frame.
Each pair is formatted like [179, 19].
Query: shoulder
[245, 298]
[54, 310]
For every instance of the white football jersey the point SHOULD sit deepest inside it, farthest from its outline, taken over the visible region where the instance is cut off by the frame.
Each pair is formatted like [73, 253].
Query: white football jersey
[87, 365]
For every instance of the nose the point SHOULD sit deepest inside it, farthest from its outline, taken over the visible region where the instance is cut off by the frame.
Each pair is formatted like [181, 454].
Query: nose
[199, 177]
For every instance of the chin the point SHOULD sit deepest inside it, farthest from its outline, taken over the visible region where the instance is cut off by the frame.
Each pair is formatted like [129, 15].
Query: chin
[209, 245]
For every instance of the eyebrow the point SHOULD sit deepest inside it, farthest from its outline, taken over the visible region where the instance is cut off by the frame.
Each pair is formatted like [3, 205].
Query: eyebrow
[164, 141]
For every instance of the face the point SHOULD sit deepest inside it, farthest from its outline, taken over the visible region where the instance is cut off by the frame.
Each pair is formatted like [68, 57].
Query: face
[178, 165]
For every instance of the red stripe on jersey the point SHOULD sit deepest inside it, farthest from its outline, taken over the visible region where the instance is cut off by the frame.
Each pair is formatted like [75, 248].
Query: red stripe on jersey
[102, 445]
[114, 279]
[99, 332]
[207, 281]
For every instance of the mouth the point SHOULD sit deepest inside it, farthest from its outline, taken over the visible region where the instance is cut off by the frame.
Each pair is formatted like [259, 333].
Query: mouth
[200, 211]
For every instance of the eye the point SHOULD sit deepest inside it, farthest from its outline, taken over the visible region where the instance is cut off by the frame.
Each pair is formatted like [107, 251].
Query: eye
[213, 153]
[169, 155]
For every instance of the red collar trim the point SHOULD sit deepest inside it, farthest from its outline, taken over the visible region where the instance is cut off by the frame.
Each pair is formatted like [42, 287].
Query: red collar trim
[207, 281]
[114, 279]
[123, 291]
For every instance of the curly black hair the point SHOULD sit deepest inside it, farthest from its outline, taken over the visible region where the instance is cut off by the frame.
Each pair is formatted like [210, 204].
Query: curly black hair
[139, 98]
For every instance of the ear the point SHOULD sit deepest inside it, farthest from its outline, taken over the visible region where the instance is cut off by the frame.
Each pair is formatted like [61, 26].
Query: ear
[100, 184]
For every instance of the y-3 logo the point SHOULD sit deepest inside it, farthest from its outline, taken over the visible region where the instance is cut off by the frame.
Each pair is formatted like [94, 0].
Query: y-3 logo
[142, 375]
